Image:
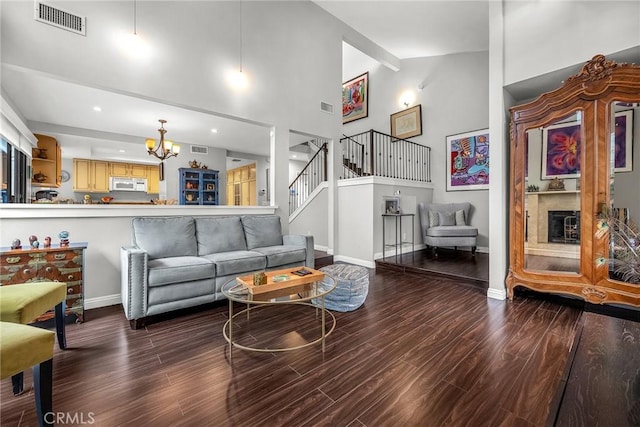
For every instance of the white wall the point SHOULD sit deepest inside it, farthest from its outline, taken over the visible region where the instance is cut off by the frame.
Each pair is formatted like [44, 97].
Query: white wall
[311, 221]
[361, 203]
[542, 36]
[454, 100]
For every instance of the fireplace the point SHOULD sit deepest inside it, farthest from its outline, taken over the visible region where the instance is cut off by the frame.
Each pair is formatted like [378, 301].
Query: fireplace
[564, 227]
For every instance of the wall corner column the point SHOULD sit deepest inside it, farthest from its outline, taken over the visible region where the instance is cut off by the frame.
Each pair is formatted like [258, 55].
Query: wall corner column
[499, 154]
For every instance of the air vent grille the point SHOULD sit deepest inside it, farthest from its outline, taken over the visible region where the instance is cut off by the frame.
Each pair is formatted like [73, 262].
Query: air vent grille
[60, 18]
[199, 149]
[327, 108]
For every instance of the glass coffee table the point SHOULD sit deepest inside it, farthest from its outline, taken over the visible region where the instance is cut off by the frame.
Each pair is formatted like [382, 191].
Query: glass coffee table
[283, 287]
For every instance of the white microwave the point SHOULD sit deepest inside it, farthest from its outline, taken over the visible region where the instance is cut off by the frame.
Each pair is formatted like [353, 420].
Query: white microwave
[127, 184]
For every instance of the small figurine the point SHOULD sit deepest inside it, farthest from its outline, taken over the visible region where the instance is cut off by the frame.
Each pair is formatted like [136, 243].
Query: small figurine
[87, 199]
[194, 164]
[205, 167]
[16, 244]
[259, 279]
[556, 184]
[33, 240]
[47, 242]
[64, 238]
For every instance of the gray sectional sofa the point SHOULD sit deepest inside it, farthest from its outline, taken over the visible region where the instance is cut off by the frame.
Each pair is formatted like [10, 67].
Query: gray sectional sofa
[447, 224]
[179, 262]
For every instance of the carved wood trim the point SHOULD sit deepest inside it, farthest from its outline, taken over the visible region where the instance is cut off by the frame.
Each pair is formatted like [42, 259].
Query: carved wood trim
[595, 69]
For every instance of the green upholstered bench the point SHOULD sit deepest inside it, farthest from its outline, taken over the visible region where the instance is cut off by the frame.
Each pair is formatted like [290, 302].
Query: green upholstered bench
[24, 302]
[22, 347]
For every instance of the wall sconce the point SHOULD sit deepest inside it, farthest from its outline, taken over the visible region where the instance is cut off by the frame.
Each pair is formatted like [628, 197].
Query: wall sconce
[407, 98]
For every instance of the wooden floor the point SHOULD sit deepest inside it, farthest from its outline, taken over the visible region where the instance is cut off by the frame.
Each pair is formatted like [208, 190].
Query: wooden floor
[420, 352]
[603, 383]
[445, 263]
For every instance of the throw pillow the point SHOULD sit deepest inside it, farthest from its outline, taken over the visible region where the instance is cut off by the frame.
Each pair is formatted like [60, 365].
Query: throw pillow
[434, 219]
[460, 219]
[447, 218]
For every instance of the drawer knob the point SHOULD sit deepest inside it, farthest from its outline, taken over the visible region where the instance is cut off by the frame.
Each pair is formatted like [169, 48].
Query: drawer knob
[26, 271]
[48, 269]
[70, 276]
[13, 259]
[60, 256]
[69, 290]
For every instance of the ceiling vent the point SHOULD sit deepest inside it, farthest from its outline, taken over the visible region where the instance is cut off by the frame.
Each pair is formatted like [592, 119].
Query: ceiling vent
[60, 18]
[199, 149]
[327, 108]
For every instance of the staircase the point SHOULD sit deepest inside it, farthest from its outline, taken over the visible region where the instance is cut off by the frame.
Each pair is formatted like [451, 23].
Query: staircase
[310, 177]
[374, 153]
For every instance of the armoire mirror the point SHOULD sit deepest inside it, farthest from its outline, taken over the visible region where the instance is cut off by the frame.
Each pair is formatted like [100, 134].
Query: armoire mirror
[575, 190]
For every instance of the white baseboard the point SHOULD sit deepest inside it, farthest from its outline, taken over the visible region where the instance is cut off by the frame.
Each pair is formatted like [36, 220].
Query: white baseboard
[356, 261]
[405, 249]
[103, 301]
[483, 249]
[500, 294]
[321, 248]
[329, 251]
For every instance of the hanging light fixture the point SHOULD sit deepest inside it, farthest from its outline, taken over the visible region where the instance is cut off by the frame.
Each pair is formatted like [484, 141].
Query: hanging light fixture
[132, 44]
[164, 149]
[238, 79]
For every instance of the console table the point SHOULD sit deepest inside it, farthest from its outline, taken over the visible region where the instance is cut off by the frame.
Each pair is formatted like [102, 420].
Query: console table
[398, 232]
[57, 264]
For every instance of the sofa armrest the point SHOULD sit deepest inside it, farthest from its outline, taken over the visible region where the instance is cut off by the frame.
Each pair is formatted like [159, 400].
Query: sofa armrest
[301, 240]
[133, 281]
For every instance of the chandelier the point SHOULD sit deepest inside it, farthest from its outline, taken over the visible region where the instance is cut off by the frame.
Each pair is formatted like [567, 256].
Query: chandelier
[164, 148]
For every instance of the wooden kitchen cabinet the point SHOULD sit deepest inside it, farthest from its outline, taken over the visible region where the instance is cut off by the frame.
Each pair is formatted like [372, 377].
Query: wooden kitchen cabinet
[46, 162]
[130, 170]
[241, 186]
[57, 264]
[153, 179]
[90, 176]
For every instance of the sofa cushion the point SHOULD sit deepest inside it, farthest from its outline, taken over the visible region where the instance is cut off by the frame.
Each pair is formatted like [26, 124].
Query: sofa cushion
[235, 262]
[165, 237]
[447, 218]
[262, 230]
[221, 234]
[283, 254]
[164, 271]
[452, 231]
[434, 219]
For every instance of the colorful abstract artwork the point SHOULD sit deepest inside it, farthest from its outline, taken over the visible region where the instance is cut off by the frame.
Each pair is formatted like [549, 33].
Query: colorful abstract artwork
[468, 161]
[561, 150]
[623, 141]
[355, 98]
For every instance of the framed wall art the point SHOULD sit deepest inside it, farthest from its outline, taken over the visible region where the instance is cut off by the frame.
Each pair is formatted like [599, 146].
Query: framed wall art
[468, 161]
[624, 141]
[561, 150]
[407, 123]
[355, 98]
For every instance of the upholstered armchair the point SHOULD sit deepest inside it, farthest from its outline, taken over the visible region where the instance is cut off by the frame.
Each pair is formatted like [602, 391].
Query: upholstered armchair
[447, 225]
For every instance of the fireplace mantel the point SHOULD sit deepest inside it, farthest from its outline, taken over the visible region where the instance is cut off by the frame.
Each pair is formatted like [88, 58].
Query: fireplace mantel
[528, 193]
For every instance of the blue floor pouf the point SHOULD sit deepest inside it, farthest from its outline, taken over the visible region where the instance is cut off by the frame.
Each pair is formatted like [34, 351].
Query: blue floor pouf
[351, 289]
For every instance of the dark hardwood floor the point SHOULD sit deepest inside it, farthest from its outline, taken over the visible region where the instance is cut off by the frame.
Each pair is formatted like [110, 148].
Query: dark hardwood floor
[445, 263]
[422, 351]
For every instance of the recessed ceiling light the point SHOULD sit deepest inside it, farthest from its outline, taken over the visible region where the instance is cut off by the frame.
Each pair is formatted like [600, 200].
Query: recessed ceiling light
[214, 130]
[294, 156]
[97, 108]
[122, 151]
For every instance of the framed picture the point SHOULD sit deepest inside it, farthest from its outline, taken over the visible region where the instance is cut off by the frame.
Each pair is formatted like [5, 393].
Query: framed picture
[407, 123]
[355, 98]
[624, 141]
[391, 205]
[468, 161]
[561, 150]
[211, 186]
